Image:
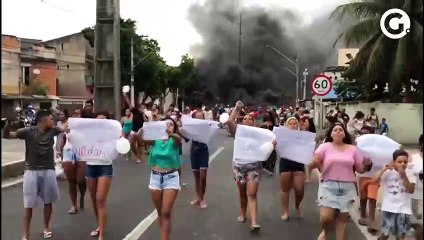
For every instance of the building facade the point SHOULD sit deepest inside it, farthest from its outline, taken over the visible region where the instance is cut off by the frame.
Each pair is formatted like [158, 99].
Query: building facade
[75, 68]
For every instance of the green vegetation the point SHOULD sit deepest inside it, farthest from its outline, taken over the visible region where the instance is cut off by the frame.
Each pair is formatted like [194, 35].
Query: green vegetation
[152, 75]
[384, 68]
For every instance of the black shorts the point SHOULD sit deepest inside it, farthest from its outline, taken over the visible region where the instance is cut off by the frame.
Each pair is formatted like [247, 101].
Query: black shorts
[287, 165]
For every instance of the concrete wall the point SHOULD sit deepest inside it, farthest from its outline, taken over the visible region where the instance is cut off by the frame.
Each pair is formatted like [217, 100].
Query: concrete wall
[10, 67]
[341, 55]
[405, 120]
[71, 50]
[47, 76]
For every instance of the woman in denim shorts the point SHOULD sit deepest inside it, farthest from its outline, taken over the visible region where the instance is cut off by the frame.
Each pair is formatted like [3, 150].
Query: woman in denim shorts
[336, 158]
[164, 183]
[99, 178]
[74, 169]
[247, 176]
[199, 157]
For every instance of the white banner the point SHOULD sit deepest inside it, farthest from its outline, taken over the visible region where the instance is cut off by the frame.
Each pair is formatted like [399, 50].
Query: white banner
[252, 144]
[298, 146]
[199, 130]
[94, 139]
[155, 130]
[377, 147]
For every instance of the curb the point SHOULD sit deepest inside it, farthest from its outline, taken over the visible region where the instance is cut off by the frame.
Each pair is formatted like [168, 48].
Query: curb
[12, 169]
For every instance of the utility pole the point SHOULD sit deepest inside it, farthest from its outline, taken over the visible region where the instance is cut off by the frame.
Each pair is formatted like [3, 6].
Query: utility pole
[296, 73]
[107, 74]
[239, 43]
[297, 82]
[305, 74]
[132, 72]
[132, 67]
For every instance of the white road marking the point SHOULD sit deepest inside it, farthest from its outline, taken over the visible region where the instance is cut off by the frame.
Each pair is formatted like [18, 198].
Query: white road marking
[354, 214]
[136, 233]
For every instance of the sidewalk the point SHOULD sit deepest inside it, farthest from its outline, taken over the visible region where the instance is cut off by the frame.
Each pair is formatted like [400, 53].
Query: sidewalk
[12, 158]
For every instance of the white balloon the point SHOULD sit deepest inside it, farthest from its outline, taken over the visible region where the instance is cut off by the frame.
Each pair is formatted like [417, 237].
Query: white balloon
[224, 118]
[123, 146]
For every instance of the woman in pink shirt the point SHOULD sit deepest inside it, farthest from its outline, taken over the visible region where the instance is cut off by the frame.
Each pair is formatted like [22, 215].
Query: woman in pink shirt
[336, 158]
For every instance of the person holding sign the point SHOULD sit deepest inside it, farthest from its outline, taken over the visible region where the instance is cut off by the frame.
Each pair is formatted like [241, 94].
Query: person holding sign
[292, 175]
[199, 156]
[338, 159]
[164, 178]
[99, 179]
[247, 176]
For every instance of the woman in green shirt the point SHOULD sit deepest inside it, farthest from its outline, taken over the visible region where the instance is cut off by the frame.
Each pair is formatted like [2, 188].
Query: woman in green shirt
[164, 178]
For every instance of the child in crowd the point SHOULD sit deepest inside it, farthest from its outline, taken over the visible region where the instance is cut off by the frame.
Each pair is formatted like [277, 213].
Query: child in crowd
[384, 128]
[368, 191]
[398, 184]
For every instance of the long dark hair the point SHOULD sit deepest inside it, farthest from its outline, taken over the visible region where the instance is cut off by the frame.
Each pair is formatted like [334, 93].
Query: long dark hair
[176, 130]
[347, 139]
[312, 127]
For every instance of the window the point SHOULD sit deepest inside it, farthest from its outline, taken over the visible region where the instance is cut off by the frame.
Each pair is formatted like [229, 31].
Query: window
[25, 75]
[61, 46]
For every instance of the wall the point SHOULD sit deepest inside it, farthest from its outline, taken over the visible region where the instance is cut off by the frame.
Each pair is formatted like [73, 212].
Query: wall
[47, 76]
[71, 50]
[405, 120]
[342, 58]
[10, 67]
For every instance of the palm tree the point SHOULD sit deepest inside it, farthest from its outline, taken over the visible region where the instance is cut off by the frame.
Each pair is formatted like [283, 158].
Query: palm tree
[383, 60]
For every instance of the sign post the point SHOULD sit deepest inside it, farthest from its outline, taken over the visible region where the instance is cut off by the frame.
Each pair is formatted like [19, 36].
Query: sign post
[321, 86]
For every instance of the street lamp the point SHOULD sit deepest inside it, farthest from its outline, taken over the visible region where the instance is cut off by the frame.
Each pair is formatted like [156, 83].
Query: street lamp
[133, 66]
[305, 73]
[295, 63]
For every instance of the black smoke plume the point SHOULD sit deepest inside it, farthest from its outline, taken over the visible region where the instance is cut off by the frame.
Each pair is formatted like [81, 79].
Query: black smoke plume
[260, 77]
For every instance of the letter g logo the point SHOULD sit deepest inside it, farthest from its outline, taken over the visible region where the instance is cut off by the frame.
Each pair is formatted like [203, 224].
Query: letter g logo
[395, 23]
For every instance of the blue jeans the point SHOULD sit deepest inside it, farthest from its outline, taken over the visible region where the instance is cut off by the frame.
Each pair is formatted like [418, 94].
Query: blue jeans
[166, 180]
[96, 171]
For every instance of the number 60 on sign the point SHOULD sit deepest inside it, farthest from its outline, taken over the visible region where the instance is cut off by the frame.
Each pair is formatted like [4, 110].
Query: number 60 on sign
[321, 85]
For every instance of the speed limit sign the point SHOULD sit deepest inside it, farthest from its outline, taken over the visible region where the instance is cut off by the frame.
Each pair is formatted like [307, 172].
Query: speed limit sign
[321, 85]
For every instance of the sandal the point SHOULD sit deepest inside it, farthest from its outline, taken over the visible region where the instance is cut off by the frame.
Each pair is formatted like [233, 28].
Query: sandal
[241, 219]
[47, 234]
[195, 202]
[95, 233]
[362, 222]
[255, 228]
[285, 218]
[73, 211]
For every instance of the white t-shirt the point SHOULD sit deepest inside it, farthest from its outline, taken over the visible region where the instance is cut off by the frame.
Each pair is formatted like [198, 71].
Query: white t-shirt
[416, 166]
[395, 197]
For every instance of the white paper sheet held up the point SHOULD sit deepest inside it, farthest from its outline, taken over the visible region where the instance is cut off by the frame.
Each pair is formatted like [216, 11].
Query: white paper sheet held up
[295, 145]
[252, 144]
[377, 147]
[155, 130]
[94, 139]
[199, 130]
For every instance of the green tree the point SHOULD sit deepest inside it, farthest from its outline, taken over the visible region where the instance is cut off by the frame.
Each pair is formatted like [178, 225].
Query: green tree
[151, 73]
[382, 61]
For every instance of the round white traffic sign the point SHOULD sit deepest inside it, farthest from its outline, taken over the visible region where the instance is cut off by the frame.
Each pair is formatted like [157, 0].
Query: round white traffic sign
[321, 85]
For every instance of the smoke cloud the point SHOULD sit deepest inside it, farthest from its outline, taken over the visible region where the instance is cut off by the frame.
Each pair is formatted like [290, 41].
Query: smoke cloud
[261, 75]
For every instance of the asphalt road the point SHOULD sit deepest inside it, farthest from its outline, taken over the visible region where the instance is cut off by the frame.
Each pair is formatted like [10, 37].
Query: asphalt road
[129, 204]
